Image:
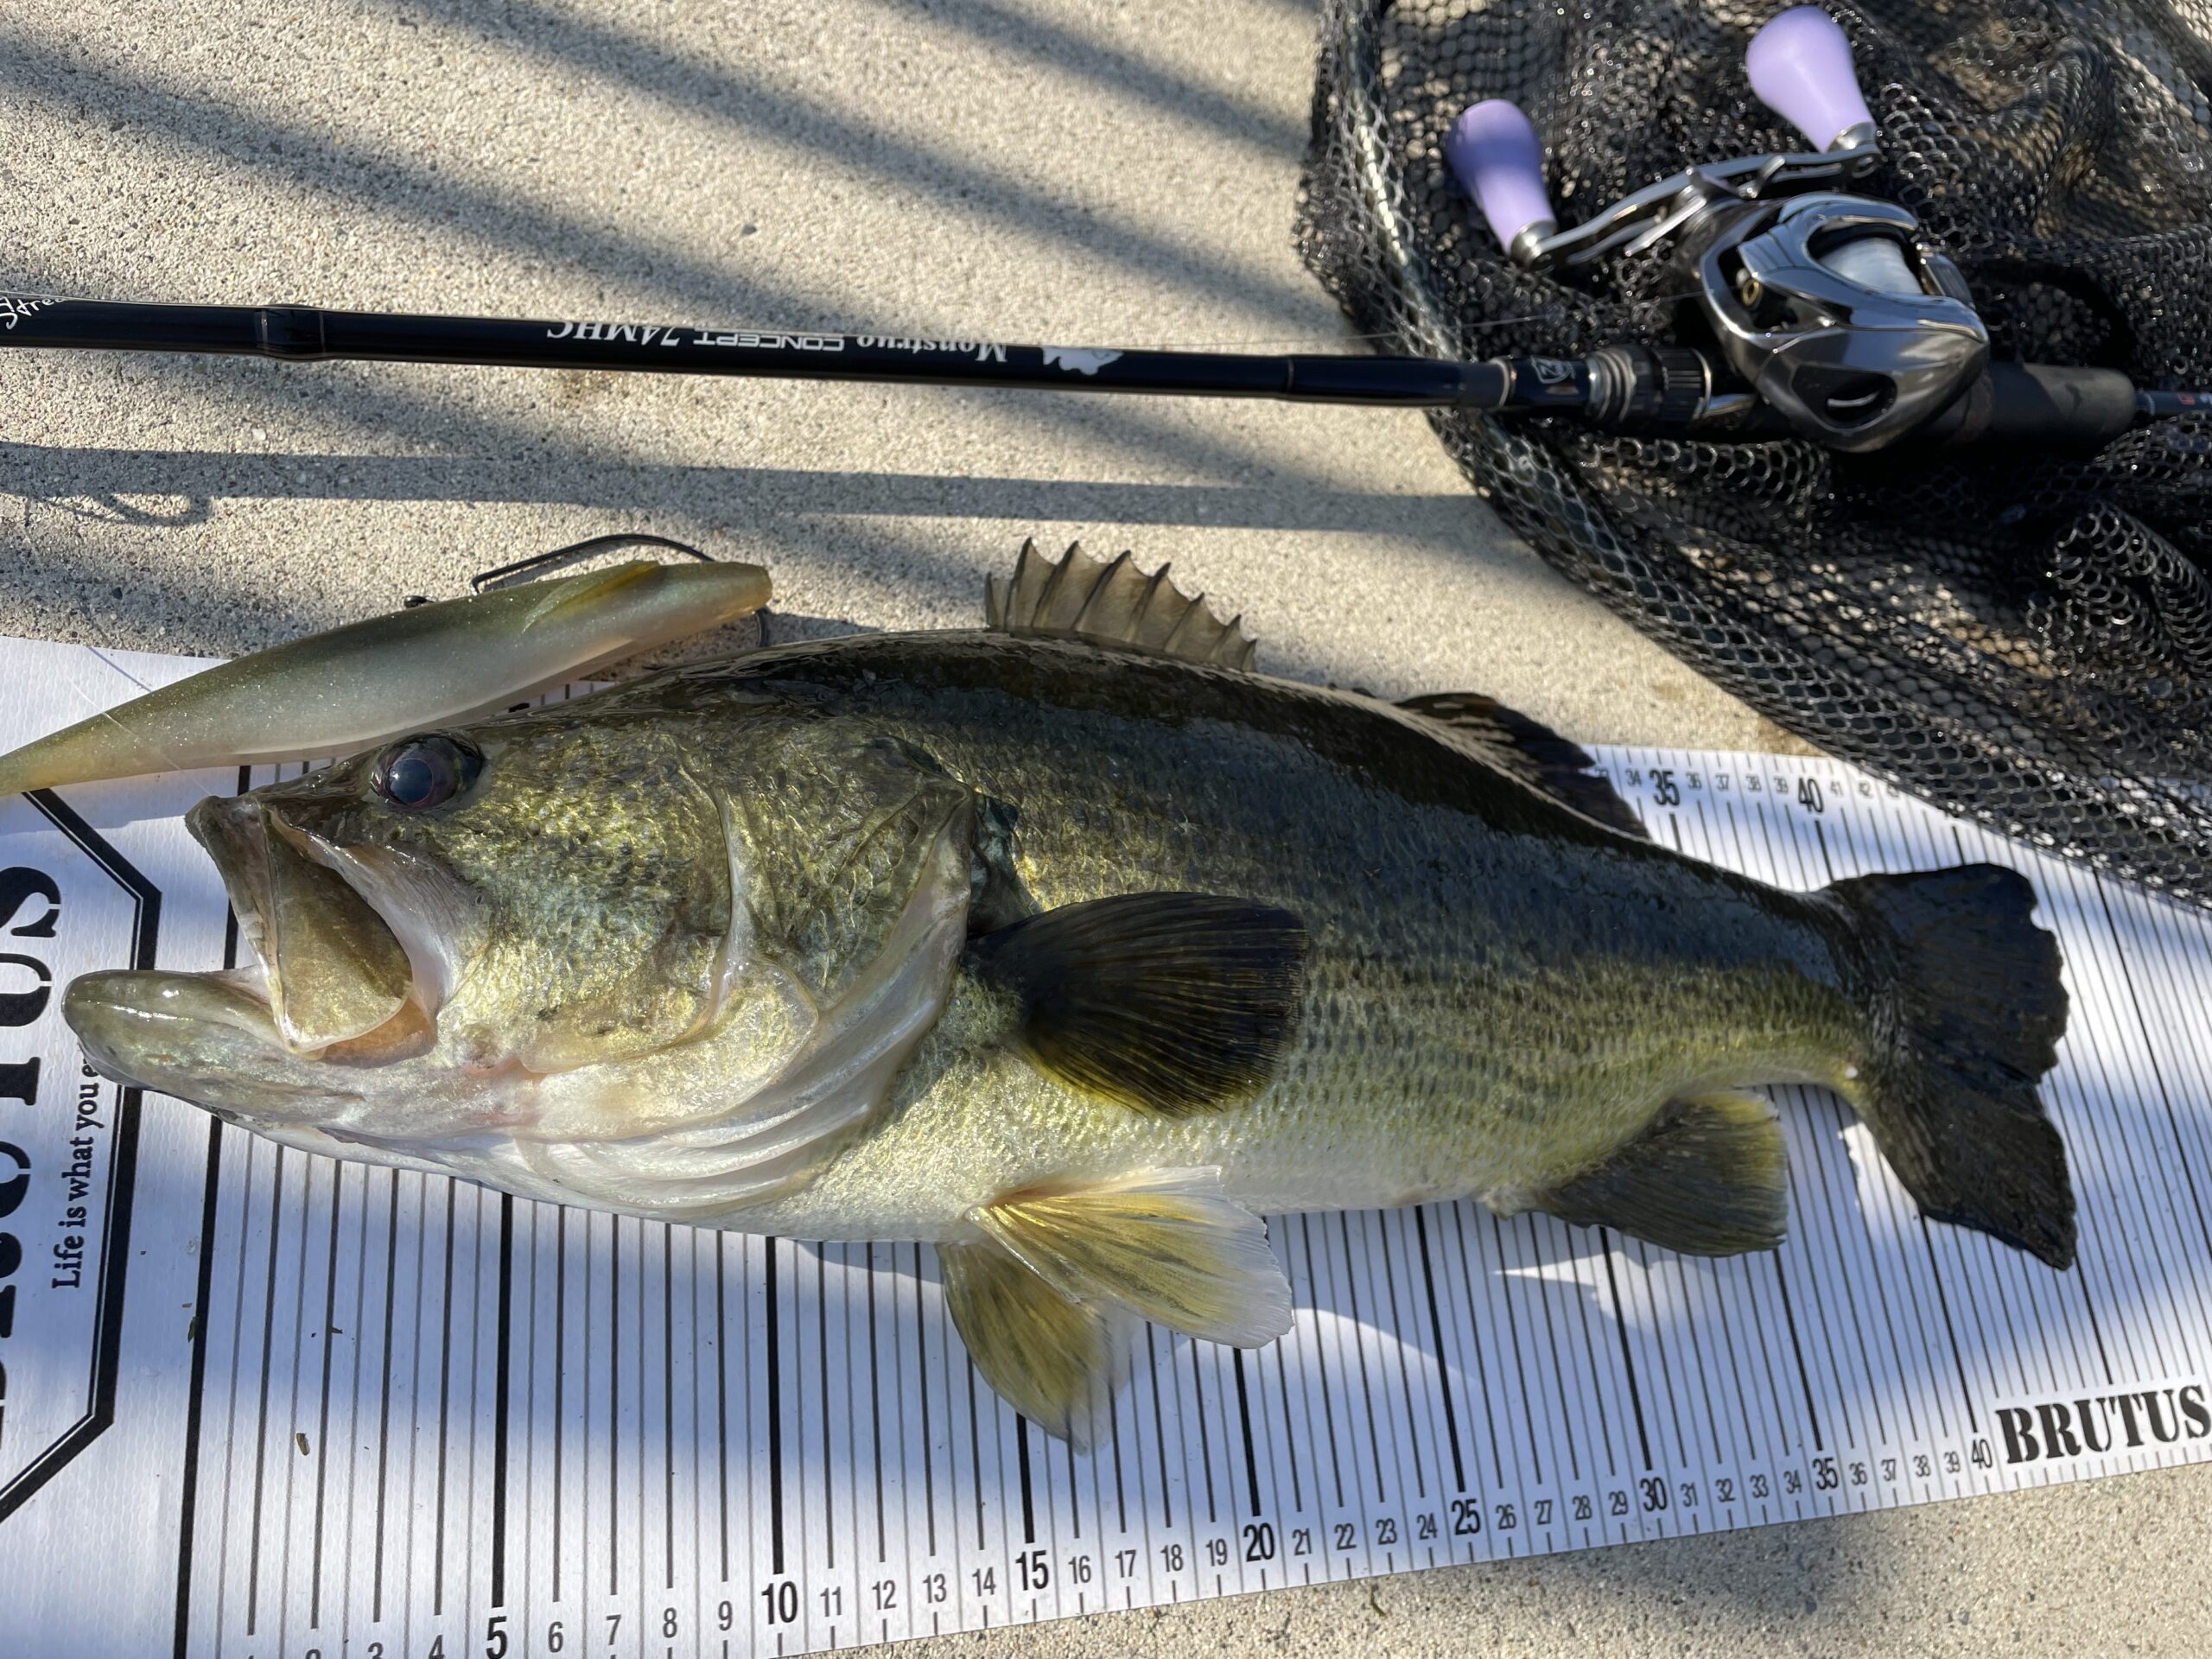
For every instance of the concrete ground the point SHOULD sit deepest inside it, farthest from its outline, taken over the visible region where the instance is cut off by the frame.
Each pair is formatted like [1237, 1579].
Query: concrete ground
[1120, 173]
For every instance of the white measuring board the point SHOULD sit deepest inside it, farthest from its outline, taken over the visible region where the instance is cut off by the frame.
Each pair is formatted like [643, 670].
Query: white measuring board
[357, 1412]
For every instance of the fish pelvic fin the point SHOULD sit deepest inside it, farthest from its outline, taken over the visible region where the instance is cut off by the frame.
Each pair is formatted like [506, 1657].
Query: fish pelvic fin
[1529, 752]
[1167, 1002]
[1707, 1178]
[1077, 597]
[1055, 1360]
[1050, 1296]
[1963, 1007]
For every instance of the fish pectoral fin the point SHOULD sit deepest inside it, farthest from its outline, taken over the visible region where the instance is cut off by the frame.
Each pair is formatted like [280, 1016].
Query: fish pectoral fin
[1527, 751]
[1077, 597]
[1167, 1002]
[1167, 1245]
[1055, 1360]
[1708, 1177]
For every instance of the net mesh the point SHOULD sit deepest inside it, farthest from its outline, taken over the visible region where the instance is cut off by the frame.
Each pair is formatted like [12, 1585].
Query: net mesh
[2024, 639]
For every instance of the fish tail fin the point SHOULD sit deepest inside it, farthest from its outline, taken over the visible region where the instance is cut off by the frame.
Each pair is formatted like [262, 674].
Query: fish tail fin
[1963, 1009]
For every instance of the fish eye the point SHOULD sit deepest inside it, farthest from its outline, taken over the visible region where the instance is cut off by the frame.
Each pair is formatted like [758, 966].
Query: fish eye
[419, 772]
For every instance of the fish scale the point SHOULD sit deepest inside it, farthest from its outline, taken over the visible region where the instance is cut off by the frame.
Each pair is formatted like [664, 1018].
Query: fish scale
[1440, 1018]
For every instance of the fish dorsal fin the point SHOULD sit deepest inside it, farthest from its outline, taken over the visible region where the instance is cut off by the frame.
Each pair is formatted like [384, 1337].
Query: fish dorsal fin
[1708, 1177]
[1167, 1002]
[1082, 598]
[1527, 750]
[1049, 1296]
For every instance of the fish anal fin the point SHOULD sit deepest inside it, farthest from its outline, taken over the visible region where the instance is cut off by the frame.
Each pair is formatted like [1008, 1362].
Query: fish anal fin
[1167, 1002]
[1708, 1177]
[1527, 750]
[1055, 1360]
[1077, 597]
[1168, 1245]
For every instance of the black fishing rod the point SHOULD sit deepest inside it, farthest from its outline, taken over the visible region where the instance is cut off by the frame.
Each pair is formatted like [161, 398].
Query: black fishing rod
[1629, 388]
[302, 333]
[1828, 318]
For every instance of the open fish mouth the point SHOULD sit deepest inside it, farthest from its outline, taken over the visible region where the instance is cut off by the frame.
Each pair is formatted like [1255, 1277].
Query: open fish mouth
[345, 970]
[353, 953]
[333, 968]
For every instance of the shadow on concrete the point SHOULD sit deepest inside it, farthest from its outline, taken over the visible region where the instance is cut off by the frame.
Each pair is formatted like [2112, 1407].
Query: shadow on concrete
[108, 484]
[1115, 74]
[380, 186]
[391, 186]
[757, 104]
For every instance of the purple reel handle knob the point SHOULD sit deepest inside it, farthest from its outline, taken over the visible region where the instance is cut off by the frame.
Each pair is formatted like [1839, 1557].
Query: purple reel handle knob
[1492, 150]
[1799, 66]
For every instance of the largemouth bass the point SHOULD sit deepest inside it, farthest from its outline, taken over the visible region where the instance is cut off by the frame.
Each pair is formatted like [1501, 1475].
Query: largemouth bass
[1072, 955]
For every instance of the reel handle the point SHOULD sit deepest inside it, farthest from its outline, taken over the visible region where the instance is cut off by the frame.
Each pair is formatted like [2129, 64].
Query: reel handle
[1493, 151]
[1799, 66]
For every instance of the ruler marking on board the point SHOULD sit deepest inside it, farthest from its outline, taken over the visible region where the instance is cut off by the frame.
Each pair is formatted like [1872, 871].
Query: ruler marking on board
[2075, 1101]
[445, 1403]
[667, 1408]
[1443, 1372]
[1198, 1420]
[1648, 1265]
[922, 1392]
[1628, 1351]
[1244, 1426]
[1434, 1404]
[1498, 1229]
[322, 1416]
[291, 1336]
[356, 1305]
[2179, 967]
[2104, 1075]
[1895, 1204]
[875, 1409]
[1521, 1368]
[2149, 1051]
[1780, 871]
[772, 1364]
[249, 1148]
[1397, 1357]
[587, 1465]
[822, 1343]
[261, 1414]
[1366, 1390]
[1853, 1196]
[2193, 1341]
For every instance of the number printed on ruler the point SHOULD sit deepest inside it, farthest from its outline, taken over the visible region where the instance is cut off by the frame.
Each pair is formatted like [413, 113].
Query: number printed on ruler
[437, 1422]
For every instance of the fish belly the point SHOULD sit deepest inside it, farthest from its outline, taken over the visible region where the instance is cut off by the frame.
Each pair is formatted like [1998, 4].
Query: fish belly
[1371, 1111]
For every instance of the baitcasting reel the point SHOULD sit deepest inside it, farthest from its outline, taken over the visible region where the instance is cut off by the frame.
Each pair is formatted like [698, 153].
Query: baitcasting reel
[1830, 308]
